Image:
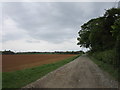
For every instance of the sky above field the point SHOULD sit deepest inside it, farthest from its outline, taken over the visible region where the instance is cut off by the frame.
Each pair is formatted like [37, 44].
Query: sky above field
[48, 26]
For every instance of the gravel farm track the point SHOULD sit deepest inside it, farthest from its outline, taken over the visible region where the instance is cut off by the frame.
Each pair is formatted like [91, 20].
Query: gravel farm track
[80, 73]
[22, 61]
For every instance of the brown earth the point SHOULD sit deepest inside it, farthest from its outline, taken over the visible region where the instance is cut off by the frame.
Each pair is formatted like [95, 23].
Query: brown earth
[80, 73]
[18, 62]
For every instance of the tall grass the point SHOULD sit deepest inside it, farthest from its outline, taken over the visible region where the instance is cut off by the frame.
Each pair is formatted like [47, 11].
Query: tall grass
[106, 60]
[18, 79]
[107, 56]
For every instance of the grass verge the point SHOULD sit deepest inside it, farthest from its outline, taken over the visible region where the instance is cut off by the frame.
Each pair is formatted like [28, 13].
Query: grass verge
[18, 79]
[106, 67]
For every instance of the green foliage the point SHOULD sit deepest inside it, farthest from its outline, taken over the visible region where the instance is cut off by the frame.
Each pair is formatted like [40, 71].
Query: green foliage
[109, 61]
[97, 34]
[107, 56]
[18, 79]
[116, 28]
[107, 67]
[117, 54]
[84, 41]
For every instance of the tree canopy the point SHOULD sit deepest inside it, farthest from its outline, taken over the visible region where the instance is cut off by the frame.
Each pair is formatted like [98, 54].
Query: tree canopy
[101, 33]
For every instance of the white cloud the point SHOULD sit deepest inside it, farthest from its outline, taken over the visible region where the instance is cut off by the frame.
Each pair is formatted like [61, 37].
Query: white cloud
[24, 45]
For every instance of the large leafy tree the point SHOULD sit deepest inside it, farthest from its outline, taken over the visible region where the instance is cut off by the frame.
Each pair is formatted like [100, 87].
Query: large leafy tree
[97, 34]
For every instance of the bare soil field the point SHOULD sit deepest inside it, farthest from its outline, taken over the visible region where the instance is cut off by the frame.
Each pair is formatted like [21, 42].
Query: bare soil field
[18, 62]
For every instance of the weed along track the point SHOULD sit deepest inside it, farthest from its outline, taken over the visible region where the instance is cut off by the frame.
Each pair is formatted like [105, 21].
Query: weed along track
[19, 62]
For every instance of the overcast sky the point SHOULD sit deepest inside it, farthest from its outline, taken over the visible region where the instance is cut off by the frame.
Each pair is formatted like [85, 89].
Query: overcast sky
[48, 26]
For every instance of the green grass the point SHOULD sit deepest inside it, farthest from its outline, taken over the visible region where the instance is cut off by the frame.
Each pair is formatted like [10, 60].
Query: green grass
[106, 67]
[18, 79]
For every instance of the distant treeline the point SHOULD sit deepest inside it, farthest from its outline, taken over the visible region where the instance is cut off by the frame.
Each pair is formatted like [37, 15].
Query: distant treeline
[9, 52]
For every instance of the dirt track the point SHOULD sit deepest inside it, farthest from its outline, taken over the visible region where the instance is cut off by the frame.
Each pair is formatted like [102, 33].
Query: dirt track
[80, 73]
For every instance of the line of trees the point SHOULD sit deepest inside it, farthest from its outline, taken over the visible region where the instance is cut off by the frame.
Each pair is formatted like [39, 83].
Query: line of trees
[102, 36]
[9, 52]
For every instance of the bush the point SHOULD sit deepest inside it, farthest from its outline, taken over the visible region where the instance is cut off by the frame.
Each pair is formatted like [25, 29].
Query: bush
[107, 56]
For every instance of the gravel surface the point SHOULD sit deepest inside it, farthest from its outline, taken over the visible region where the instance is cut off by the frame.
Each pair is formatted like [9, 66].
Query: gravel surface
[80, 73]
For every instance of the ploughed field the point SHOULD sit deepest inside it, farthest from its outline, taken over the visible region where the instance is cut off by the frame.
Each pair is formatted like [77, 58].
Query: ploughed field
[22, 61]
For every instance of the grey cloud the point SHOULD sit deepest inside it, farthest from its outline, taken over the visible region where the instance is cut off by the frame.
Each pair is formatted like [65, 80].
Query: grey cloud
[12, 36]
[9, 37]
[53, 22]
[32, 41]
